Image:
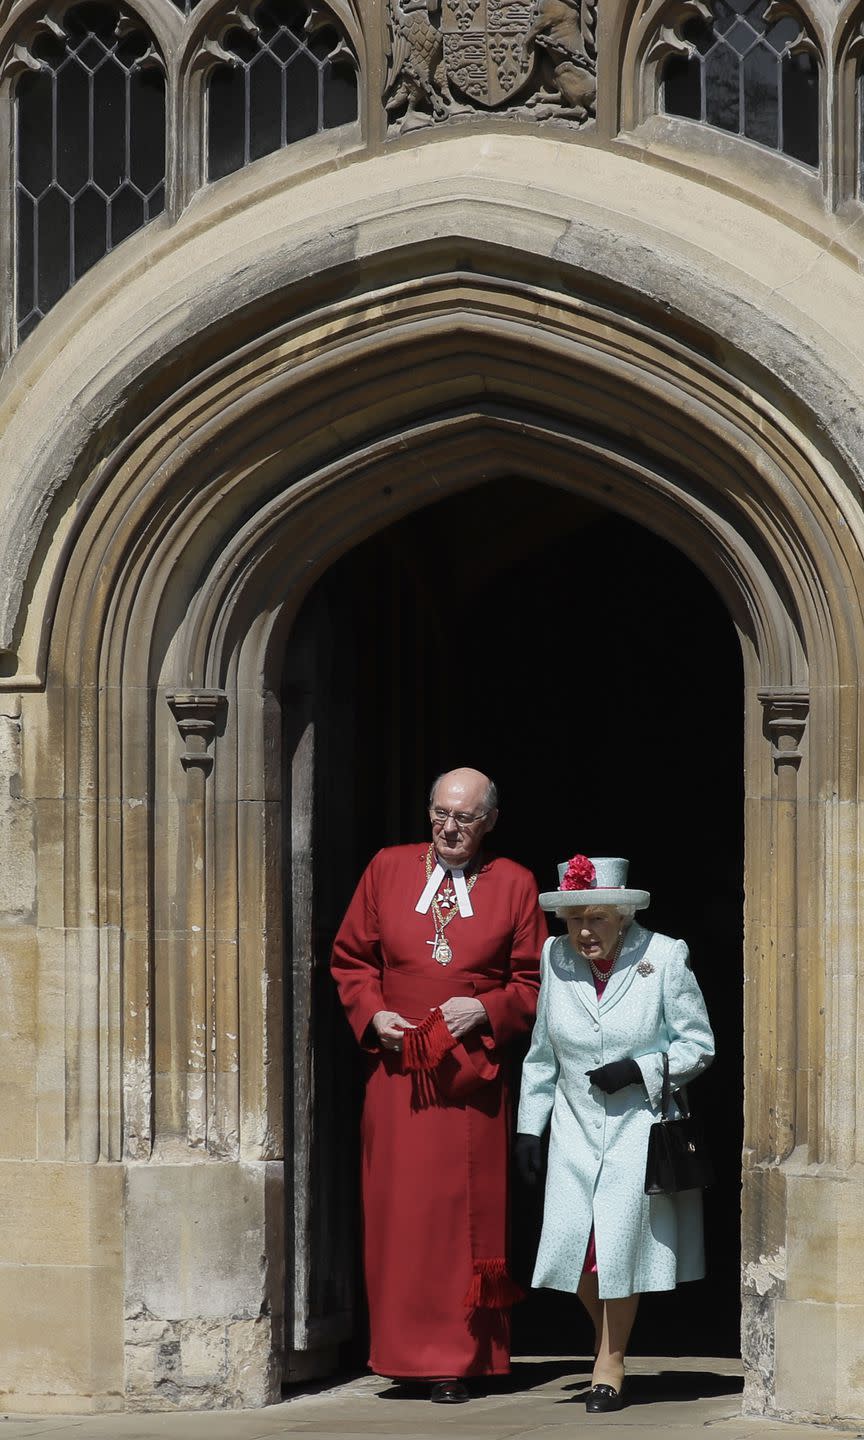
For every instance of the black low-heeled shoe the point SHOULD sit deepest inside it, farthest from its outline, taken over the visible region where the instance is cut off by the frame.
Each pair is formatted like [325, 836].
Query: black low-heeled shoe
[449, 1392]
[603, 1398]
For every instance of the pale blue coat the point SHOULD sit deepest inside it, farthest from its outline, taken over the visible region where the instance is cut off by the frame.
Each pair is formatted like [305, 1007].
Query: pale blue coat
[598, 1142]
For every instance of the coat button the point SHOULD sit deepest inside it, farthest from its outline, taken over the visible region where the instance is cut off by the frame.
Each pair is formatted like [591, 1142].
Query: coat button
[596, 1026]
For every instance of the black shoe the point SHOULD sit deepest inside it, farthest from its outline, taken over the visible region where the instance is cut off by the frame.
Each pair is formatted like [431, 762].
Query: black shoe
[449, 1392]
[602, 1398]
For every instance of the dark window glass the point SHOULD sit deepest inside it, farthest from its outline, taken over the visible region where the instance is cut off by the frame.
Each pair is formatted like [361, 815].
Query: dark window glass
[761, 98]
[24, 245]
[800, 98]
[226, 111]
[743, 77]
[720, 72]
[285, 84]
[682, 87]
[340, 94]
[90, 152]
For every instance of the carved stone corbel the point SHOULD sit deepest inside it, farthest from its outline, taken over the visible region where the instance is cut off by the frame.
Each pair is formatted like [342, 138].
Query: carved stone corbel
[200, 716]
[785, 719]
[18, 62]
[212, 51]
[670, 22]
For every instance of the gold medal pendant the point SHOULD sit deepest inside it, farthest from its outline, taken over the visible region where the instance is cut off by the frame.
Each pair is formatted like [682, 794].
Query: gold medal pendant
[442, 952]
[445, 907]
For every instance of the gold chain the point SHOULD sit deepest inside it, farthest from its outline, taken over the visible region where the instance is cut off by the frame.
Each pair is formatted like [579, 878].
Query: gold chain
[441, 950]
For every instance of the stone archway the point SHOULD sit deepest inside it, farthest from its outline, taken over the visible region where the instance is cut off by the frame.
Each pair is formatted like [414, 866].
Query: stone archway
[168, 605]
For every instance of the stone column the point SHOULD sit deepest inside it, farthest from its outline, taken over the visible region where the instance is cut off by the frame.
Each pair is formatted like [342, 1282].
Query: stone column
[204, 1276]
[772, 1028]
[785, 717]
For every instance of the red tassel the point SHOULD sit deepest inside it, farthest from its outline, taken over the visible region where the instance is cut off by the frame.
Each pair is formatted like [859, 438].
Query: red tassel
[491, 1287]
[424, 1091]
[426, 1044]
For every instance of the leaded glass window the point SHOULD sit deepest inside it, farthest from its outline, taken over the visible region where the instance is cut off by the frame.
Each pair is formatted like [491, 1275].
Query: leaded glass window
[751, 75]
[89, 151]
[289, 79]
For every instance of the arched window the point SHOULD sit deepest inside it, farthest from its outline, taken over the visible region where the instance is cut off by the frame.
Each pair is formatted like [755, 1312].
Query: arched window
[89, 150]
[290, 75]
[753, 72]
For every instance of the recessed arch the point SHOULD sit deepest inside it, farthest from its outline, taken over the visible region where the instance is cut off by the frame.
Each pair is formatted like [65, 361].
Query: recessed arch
[268, 436]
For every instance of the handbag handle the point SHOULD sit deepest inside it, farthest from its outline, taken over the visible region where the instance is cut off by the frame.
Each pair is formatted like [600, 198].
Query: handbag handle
[680, 1094]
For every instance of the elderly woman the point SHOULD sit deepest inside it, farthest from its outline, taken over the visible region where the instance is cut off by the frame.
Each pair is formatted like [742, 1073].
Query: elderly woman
[613, 999]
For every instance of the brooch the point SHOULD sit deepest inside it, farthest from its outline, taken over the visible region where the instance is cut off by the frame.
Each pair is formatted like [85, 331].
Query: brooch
[645, 968]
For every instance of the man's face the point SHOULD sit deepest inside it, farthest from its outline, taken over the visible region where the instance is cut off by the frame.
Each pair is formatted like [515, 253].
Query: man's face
[457, 836]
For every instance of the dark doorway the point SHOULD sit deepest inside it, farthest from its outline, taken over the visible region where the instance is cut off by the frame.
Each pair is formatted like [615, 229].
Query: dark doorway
[592, 670]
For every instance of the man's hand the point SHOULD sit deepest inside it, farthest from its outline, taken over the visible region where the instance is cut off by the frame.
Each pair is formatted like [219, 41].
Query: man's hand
[463, 1013]
[615, 1075]
[388, 1026]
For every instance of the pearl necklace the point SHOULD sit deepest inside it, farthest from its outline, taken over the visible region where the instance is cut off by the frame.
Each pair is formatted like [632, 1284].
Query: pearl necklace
[602, 975]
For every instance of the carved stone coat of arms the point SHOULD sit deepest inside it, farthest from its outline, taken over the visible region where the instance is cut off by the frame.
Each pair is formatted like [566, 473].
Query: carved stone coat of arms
[450, 57]
[485, 56]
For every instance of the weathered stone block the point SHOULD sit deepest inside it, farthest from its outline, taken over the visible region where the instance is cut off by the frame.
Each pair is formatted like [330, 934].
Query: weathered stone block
[61, 1214]
[19, 970]
[826, 1239]
[203, 1284]
[60, 1334]
[17, 844]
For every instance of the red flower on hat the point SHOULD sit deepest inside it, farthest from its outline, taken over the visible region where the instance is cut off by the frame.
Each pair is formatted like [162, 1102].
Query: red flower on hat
[579, 875]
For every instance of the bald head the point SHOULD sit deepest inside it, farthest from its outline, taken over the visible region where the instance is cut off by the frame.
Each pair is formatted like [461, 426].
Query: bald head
[470, 800]
[472, 783]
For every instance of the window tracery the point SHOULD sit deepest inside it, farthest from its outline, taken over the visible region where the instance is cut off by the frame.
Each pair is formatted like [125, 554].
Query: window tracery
[284, 73]
[89, 109]
[89, 95]
[750, 68]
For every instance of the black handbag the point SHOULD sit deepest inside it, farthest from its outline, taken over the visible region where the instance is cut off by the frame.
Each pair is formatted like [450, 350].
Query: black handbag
[677, 1157]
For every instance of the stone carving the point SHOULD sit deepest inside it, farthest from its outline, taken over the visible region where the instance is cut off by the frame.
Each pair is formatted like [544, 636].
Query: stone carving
[785, 720]
[670, 21]
[533, 58]
[200, 716]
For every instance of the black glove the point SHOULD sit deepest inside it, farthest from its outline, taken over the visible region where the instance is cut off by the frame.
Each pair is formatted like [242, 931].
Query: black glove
[615, 1076]
[529, 1161]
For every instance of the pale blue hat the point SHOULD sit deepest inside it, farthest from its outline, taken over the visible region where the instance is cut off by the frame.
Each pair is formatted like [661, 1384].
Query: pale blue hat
[609, 887]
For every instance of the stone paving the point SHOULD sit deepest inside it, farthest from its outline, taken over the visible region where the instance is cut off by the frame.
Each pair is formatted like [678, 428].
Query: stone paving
[541, 1401]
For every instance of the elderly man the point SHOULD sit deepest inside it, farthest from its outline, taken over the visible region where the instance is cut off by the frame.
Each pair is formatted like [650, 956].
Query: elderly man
[437, 967]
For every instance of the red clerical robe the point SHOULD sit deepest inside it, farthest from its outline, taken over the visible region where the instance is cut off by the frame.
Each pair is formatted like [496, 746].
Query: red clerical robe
[434, 1156]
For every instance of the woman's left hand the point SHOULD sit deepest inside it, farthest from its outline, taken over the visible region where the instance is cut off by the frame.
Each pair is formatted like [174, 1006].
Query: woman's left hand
[462, 1014]
[615, 1075]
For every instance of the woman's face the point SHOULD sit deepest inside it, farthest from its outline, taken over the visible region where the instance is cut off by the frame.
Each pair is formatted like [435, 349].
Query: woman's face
[594, 930]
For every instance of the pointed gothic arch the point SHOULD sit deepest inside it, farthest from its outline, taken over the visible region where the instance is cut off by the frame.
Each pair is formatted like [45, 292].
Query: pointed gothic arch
[260, 446]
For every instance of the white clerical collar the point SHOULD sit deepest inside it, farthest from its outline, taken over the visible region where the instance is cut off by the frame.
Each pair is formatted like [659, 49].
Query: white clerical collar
[433, 885]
